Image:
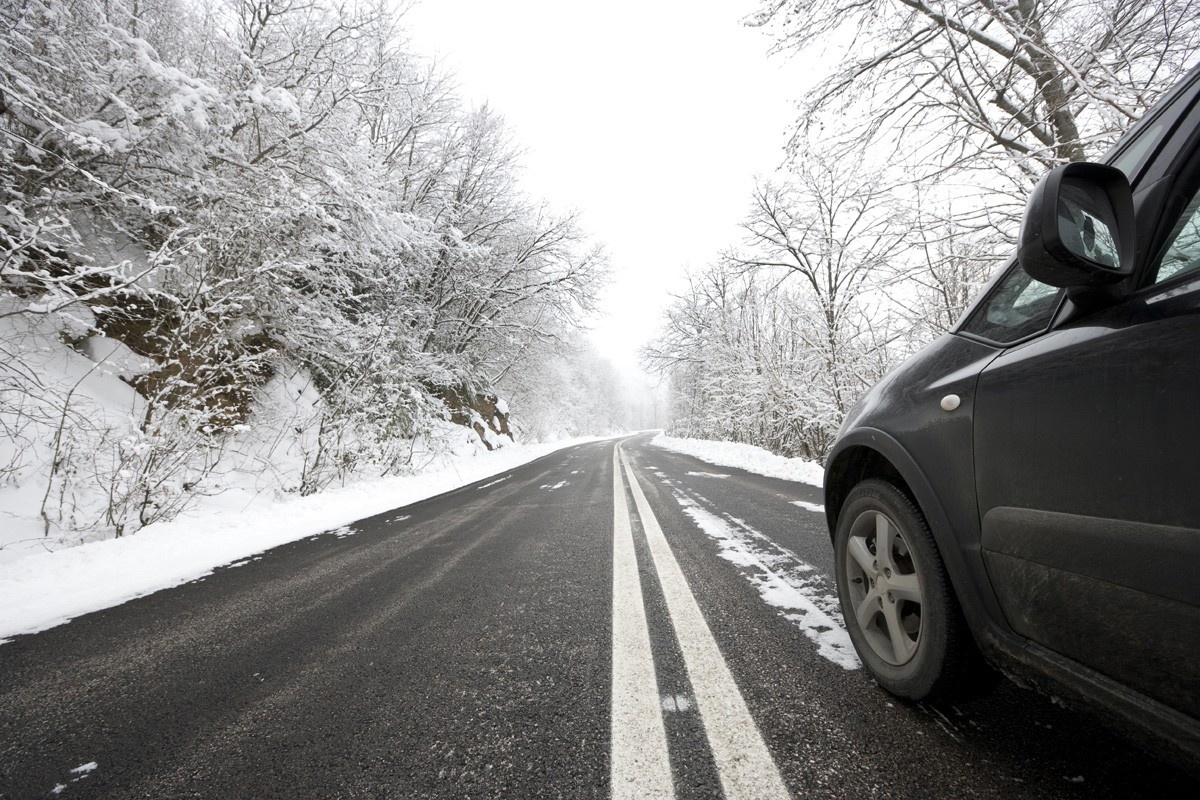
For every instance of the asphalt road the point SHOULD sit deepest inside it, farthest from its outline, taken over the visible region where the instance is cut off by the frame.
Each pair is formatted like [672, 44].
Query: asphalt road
[467, 646]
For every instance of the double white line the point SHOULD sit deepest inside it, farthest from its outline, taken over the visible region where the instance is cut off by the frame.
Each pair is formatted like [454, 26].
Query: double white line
[641, 766]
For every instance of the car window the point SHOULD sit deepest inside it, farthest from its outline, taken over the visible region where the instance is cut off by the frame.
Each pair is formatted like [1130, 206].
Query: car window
[1018, 306]
[1136, 155]
[1183, 253]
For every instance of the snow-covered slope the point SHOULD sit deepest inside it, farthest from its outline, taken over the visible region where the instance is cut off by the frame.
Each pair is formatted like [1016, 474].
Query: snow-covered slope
[58, 406]
[69, 434]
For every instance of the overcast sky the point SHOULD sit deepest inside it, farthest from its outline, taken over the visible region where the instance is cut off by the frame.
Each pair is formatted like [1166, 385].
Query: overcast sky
[651, 117]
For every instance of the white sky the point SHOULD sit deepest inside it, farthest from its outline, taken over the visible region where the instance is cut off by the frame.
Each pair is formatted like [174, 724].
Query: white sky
[650, 117]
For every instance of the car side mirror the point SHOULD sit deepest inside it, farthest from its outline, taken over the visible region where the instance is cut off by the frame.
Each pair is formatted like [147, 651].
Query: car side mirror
[1078, 228]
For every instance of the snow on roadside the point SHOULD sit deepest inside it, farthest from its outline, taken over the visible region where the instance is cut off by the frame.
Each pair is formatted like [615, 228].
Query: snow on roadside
[45, 589]
[745, 456]
[784, 581]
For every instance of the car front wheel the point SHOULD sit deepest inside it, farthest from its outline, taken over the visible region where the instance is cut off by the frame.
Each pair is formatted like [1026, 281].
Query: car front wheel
[896, 598]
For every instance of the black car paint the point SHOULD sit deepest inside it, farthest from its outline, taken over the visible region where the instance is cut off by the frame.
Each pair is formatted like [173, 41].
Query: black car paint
[1115, 511]
[968, 479]
[918, 432]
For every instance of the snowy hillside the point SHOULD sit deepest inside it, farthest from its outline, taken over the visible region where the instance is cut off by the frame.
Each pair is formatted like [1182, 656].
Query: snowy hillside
[72, 430]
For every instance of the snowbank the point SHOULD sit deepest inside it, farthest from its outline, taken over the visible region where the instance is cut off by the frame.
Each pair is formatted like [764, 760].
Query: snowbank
[747, 457]
[42, 590]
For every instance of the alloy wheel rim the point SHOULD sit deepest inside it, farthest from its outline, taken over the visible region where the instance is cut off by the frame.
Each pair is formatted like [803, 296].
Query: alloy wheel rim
[884, 587]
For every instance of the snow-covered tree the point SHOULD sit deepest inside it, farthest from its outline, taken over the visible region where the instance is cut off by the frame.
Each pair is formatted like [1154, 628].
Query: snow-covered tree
[997, 85]
[248, 194]
[836, 232]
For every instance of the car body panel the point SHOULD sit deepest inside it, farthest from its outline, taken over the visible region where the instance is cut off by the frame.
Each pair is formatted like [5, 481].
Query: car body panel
[920, 432]
[1086, 441]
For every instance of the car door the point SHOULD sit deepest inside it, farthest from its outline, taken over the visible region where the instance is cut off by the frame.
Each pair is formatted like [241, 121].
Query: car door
[1087, 448]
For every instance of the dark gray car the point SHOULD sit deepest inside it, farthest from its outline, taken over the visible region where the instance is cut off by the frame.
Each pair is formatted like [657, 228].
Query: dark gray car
[1027, 488]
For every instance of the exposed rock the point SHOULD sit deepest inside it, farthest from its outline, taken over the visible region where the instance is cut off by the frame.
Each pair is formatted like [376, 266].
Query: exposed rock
[483, 412]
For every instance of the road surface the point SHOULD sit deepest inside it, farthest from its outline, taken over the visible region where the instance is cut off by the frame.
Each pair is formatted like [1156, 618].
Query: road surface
[594, 624]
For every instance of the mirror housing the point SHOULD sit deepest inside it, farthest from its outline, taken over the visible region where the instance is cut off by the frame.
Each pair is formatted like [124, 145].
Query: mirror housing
[1078, 228]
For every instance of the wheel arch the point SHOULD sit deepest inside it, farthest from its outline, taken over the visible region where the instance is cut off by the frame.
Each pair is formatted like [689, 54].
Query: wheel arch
[852, 466]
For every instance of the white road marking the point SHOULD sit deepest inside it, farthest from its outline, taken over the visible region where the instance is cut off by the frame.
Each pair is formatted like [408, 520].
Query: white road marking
[743, 762]
[641, 767]
[493, 483]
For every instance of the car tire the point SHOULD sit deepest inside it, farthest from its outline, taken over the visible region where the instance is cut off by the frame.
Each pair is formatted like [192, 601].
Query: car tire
[897, 601]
